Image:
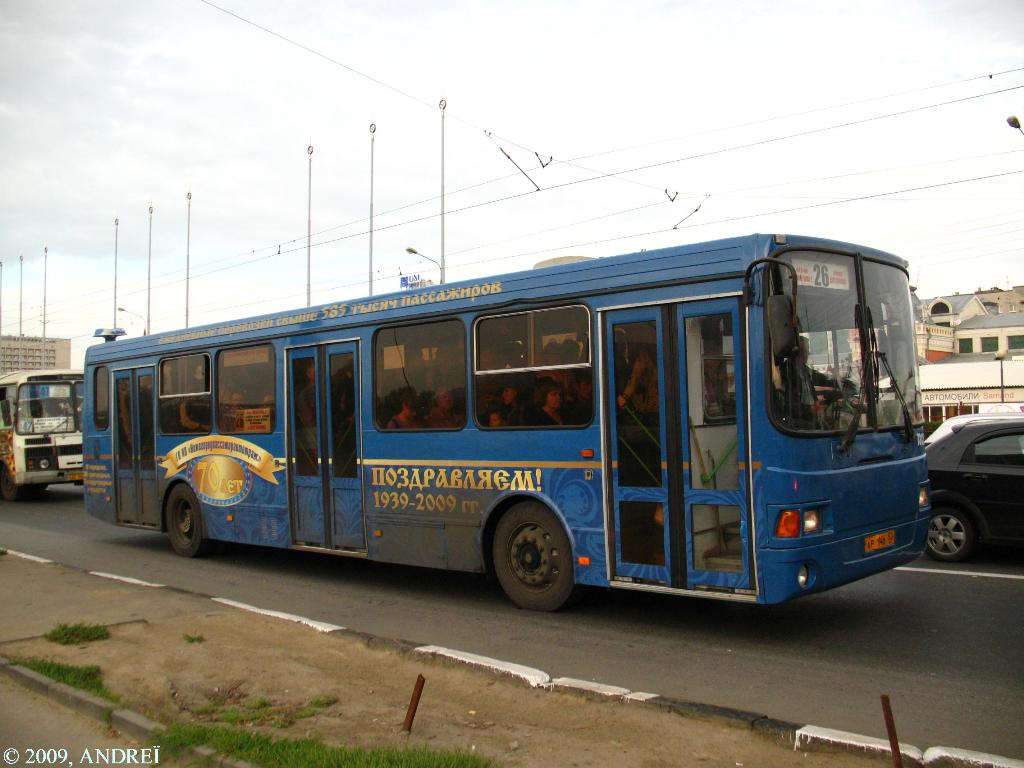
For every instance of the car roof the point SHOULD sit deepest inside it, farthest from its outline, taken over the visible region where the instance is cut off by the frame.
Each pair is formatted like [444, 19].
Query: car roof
[955, 423]
[948, 449]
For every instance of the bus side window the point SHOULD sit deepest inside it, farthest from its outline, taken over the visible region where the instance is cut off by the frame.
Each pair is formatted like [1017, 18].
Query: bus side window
[246, 396]
[420, 376]
[5, 409]
[533, 369]
[185, 395]
[101, 399]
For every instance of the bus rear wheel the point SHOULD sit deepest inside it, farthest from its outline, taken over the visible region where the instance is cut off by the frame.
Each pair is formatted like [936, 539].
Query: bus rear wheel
[185, 526]
[533, 558]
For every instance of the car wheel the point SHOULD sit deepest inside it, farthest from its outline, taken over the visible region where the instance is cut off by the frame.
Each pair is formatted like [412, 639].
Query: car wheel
[533, 558]
[952, 535]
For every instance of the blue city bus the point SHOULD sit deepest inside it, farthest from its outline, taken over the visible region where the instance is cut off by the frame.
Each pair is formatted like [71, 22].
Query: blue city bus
[738, 419]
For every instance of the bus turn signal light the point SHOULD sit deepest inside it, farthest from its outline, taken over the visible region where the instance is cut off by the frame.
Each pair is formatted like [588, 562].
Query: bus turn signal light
[788, 526]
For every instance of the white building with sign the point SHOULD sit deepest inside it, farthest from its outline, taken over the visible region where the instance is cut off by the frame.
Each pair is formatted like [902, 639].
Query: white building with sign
[954, 387]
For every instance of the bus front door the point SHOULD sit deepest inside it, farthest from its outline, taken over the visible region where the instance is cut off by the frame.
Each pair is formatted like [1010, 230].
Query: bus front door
[679, 516]
[714, 478]
[324, 467]
[134, 448]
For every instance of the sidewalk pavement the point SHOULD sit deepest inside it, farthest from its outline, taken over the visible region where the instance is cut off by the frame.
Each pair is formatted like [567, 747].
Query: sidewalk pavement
[175, 656]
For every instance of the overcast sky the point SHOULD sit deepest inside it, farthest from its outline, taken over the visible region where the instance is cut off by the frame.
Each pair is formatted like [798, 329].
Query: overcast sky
[872, 122]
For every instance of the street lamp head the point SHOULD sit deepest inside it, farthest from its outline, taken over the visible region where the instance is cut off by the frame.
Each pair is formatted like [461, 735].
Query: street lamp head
[1000, 355]
[1013, 122]
[413, 251]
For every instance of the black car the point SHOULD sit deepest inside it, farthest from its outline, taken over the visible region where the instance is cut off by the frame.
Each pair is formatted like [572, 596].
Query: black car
[977, 477]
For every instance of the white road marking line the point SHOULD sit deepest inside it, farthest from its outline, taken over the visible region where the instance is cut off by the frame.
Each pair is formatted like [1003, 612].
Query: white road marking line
[319, 626]
[125, 579]
[976, 574]
[24, 556]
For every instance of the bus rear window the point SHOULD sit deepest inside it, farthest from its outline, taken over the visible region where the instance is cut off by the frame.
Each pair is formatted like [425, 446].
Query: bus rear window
[185, 395]
[245, 390]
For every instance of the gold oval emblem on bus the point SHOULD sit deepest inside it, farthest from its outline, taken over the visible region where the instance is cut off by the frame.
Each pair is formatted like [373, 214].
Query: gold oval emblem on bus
[221, 480]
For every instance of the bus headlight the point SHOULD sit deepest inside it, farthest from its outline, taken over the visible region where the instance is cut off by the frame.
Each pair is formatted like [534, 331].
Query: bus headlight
[44, 463]
[812, 521]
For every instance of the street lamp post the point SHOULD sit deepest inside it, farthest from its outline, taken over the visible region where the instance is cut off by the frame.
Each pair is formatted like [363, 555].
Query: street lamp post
[309, 222]
[440, 264]
[117, 223]
[46, 255]
[1000, 356]
[145, 325]
[188, 251]
[149, 266]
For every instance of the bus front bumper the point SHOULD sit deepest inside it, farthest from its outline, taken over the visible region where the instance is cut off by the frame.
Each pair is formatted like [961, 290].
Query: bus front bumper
[818, 566]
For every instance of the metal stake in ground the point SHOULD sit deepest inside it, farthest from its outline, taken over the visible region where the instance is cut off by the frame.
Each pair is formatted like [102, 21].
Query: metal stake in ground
[890, 727]
[414, 702]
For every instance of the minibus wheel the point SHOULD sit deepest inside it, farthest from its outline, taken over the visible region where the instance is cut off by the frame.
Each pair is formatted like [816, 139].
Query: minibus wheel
[533, 558]
[8, 488]
[184, 517]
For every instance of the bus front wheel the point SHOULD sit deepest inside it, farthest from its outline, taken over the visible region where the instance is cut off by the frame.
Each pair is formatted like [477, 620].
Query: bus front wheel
[185, 523]
[533, 558]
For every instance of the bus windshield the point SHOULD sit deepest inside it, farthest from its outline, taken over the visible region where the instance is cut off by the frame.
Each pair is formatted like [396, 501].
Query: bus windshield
[835, 376]
[46, 409]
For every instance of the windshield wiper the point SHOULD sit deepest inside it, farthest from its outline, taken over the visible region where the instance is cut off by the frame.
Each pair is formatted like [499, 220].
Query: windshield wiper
[878, 354]
[908, 423]
[858, 407]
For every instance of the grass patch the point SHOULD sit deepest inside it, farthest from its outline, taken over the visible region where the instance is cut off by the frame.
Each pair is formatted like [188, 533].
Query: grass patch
[86, 678]
[261, 711]
[193, 638]
[263, 750]
[2, 551]
[75, 634]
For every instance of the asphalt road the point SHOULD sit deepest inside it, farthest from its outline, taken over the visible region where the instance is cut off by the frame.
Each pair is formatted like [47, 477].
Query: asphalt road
[944, 644]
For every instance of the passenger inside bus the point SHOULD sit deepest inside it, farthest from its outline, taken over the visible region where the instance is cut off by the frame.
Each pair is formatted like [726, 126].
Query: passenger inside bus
[549, 405]
[406, 418]
[445, 414]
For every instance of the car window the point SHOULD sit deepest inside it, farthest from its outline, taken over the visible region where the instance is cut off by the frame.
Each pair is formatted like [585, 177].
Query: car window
[1003, 449]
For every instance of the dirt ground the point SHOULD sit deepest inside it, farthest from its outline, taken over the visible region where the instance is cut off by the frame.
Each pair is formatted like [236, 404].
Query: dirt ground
[224, 665]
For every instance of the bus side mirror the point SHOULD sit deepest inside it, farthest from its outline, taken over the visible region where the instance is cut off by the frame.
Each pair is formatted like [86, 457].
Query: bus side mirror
[781, 332]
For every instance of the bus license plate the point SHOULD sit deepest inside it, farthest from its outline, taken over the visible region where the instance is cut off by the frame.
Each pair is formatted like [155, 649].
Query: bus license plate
[879, 540]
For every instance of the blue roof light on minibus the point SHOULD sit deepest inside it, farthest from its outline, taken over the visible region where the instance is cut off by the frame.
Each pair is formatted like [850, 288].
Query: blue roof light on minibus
[109, 334]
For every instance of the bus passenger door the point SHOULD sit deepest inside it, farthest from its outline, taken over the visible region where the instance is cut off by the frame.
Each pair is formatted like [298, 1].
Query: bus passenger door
[134, 448]
[343, 468]
[714, 478]
[305, 447]
[642, 513]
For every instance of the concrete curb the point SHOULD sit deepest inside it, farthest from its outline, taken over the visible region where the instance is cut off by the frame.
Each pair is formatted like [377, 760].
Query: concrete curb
[802, 737]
